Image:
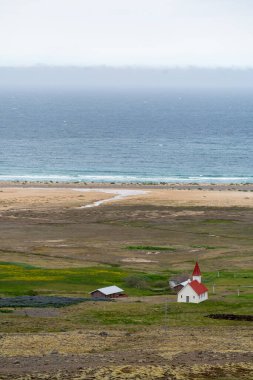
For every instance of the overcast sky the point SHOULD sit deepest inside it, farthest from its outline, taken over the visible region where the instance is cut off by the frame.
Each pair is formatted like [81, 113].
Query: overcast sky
[166, 33]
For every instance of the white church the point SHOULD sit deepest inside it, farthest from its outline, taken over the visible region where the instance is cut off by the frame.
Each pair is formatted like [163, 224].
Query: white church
[193, 291]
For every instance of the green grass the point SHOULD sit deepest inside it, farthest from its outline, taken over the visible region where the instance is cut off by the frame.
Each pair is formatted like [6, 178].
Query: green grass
[16, 279]
[22, 265]
[228, 278]
[130, 315]
[219, 221]
[144, 314]
[6, 311]
[150, 248]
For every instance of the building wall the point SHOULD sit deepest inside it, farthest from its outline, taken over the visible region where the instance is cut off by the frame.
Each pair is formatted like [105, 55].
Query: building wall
[114, 295]
[193, 297]
[97, 294]
[187, 291]
[204, 297]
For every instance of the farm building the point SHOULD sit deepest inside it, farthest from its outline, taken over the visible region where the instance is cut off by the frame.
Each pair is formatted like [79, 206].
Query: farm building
[178, 286]
[108, 292]
[193, 290]
[177, 282]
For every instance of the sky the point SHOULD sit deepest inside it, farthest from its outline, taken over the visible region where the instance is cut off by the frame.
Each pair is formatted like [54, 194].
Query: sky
[145, 33]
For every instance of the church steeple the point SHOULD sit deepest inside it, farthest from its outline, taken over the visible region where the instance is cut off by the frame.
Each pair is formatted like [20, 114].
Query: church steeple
[196, 274]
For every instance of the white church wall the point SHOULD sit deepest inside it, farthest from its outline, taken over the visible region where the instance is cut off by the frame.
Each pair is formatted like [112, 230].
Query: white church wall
[187, 291]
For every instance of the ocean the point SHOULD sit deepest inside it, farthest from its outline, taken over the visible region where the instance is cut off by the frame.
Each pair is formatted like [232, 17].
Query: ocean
[127, 135]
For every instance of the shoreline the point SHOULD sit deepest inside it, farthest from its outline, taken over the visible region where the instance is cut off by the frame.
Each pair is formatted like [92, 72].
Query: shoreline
[247, 187]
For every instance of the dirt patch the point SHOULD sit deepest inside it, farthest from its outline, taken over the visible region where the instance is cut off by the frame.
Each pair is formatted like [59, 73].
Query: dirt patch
[55, 361]
[38, 312]
[134, 364]
[211, 357]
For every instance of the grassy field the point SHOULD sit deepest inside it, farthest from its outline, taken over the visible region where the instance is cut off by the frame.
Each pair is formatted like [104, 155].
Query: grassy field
[23, 279]
[143, 310]
[148, 335]
[125, 316]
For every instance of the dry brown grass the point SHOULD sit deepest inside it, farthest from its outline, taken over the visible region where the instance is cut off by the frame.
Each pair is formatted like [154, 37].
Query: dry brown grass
[178, 354]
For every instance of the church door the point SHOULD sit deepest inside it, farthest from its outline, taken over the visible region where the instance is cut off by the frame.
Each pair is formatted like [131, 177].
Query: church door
[187, 299]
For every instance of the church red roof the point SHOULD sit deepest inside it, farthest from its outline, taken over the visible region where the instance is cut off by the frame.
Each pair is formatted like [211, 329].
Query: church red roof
[196, 271]
[198, 287]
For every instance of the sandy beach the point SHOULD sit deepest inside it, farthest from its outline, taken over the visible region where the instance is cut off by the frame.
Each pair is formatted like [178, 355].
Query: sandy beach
[30, 195]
